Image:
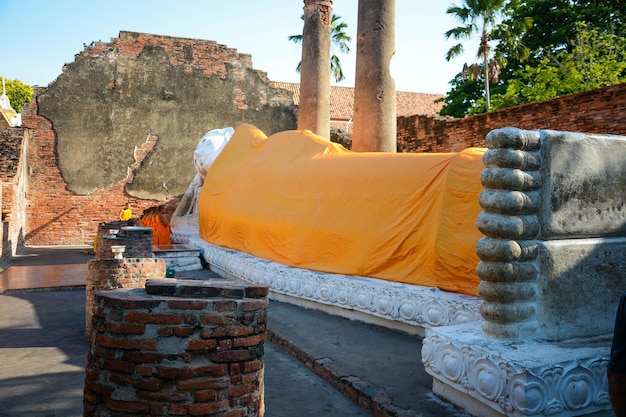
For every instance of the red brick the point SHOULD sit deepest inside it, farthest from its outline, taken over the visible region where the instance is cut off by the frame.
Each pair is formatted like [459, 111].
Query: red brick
[165, 395]
[251, 398]
[171, 372]
[186, 304]
[253, 305]
[119, 366]
[248, 341]
[204, 383]
[257, 290]
[182, 331]
[251, 366]
[224, 305]
[123, 343]
[235, 413]
[111, 299]
[144, 370]
[154, 357]
[165, 331]
[225, 331]
[239, 355]
[216, 320]
[128, 406]
[206, 396]
[153, 318]
[147, 384]
[201, 345]
[98, 387]
[125, 328]
[198, 409]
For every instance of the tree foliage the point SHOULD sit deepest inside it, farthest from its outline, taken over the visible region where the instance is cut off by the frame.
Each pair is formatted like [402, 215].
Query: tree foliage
[462, 96]
[339, 40]
[550, 48]
[18, 93]
[591, 60]
[476, 17]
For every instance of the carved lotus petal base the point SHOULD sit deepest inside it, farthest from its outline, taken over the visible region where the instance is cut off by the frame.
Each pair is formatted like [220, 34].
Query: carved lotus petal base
[524, 378]
[411, 305]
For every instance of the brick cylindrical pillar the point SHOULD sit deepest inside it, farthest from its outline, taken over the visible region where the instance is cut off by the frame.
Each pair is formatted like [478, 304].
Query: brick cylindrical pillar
[138, 240]
[108, 274]
[178, 348]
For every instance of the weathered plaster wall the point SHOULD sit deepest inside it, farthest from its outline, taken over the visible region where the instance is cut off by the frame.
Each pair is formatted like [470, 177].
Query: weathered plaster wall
[54, 214]
[117, 95]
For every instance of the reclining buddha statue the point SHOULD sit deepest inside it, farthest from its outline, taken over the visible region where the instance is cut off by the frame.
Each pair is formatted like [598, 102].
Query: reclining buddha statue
[300, 200]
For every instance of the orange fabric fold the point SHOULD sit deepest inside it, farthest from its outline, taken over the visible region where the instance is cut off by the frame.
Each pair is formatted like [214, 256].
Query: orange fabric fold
[298, 199]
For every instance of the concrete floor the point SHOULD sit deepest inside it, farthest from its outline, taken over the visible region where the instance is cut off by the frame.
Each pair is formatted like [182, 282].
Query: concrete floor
[43, 350]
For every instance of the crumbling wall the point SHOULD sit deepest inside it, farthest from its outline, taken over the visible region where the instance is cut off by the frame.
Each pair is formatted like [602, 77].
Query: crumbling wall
[14, 142]
[116, 96]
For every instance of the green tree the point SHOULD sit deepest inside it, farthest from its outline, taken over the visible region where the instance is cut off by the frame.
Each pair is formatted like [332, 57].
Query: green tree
[554, 22]
[461, 97]
[18, 93]
[590, 60]
[477, 17]
[339, 40]
[533, 40]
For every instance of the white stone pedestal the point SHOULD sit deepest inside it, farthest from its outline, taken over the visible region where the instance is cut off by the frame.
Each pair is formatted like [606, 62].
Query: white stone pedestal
[179, 257]
[527, 378]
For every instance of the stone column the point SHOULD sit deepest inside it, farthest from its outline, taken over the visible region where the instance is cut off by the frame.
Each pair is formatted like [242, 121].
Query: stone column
[314, 108]
[374, 90]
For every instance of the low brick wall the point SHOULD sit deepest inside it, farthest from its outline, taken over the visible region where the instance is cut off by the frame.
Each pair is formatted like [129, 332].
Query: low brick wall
[179, 347]
[109, 274]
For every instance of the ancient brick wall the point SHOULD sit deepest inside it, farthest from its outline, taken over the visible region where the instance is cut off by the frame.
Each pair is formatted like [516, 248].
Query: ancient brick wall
[56, 215]
[14, 143]
[596, 111]
[179, 347]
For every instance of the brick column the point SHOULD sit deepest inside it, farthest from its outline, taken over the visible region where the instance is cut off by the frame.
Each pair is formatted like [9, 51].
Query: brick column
[178, 347]
[108, 274]
[138, 240]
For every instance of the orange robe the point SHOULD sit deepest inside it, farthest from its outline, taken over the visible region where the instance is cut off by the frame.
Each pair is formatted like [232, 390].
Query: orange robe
[298, 199]
[161, 232]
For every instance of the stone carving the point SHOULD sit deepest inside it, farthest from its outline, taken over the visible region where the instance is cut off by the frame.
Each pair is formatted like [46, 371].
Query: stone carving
[554, 220]
[552, 269]
[509, 221]
[419, 306]
[534, 378]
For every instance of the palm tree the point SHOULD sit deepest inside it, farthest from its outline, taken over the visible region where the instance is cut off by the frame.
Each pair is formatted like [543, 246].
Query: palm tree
[339, 39]
[476, 17]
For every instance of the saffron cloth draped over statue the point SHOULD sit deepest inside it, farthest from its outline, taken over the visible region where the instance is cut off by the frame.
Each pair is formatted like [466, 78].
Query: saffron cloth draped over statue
[298, 199]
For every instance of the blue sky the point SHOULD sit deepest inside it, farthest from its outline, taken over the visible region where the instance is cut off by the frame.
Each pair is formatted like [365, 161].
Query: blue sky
[40, 36]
